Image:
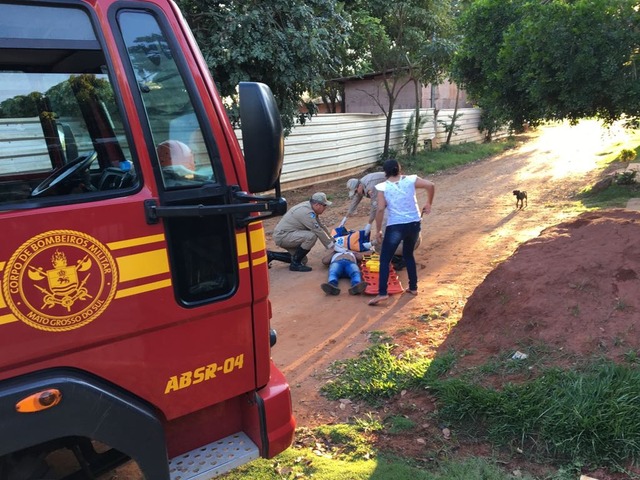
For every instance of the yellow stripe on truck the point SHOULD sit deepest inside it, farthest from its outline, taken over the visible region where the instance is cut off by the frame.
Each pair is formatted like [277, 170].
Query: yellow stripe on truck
[241, 242]
[7, 318]
[258, 244]
[257, 240]
[243, 250]
[134, 242]
[140, 265]
[147, 287]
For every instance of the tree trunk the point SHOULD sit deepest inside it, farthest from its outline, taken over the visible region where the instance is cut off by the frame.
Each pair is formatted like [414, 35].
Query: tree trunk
[454, 118]
[387, 130]
[416, 128]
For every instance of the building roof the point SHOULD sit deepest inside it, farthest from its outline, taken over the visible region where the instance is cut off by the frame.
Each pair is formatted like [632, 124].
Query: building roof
[366, 76]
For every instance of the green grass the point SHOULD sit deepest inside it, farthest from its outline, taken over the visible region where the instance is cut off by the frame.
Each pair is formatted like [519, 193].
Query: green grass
[379, 373]
[588, 415]
[398, 424]
[303, 464]
[295, 463]
[342, 452]
[431, 161]
[617, 194]
[375, 375]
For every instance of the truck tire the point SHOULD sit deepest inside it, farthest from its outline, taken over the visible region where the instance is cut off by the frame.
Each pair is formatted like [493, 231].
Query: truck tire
[25, 467]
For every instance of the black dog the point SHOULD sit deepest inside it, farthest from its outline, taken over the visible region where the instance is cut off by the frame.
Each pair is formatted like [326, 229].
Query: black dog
[521, 196]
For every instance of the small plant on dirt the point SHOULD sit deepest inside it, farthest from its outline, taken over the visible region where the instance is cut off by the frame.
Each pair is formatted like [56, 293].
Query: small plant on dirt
[368, 423]
[626, 155]
[344, 441]
[626, 178]
[580, 285]
[568, 472]
[490, 367]
[574, 310]
[631, 356]
[399, 424]
[620, 305]
[377, 336]
[507, 363]
[407, 331]
[503, 298]
[478, 468]
[434, 314]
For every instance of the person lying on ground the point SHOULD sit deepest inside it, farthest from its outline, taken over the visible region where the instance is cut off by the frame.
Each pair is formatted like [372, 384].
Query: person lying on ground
[343, 263]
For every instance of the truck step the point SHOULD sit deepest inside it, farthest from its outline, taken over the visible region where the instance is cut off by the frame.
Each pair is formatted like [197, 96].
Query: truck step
[214, 459]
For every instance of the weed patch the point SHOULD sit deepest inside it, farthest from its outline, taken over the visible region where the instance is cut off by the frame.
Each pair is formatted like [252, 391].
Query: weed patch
[431, 161]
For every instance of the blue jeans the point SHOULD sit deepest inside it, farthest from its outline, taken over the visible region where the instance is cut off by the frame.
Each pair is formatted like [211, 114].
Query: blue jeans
[344, 269]
[408, 234]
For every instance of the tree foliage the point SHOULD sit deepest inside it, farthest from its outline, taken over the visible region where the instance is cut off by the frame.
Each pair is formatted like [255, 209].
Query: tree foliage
[289, 45]
[406, 41]
[527, 61]
[61, 96]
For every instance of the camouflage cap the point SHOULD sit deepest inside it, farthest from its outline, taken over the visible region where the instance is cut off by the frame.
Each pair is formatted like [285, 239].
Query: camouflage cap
[320, 197]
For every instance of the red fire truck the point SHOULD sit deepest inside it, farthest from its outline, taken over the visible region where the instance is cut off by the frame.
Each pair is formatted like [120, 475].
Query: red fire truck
[134, 308]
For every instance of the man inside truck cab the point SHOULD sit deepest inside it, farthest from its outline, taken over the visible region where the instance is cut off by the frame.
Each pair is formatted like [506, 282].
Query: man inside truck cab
[177, 162]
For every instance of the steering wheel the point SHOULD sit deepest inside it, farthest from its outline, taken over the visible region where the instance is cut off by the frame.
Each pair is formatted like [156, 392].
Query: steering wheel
[64, 172]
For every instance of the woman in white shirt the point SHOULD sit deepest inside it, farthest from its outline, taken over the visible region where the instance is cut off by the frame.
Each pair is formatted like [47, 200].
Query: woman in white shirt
[397, 195]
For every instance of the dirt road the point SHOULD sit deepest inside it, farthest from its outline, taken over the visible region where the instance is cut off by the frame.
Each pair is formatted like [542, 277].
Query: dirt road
[473, 226]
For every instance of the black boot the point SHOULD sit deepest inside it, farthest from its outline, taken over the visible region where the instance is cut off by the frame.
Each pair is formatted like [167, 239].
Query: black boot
[296, 261]
[281, 256]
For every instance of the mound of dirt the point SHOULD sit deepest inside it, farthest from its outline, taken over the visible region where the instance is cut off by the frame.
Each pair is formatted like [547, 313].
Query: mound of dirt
[572, 291]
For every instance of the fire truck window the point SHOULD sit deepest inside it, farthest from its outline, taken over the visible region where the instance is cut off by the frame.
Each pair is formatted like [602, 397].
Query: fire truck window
[61, 131]
[202, 250]
[182, 154]
[203, 265]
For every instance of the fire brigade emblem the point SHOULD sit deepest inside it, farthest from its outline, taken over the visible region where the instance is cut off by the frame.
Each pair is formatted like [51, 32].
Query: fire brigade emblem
[59, 280]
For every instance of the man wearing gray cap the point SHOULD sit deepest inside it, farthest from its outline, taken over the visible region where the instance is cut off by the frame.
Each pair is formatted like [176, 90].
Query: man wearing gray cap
[298, 231]
[364, 187]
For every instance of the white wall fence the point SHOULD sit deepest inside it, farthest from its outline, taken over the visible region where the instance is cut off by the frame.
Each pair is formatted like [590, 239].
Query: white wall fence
[332, 146]
[328, 147]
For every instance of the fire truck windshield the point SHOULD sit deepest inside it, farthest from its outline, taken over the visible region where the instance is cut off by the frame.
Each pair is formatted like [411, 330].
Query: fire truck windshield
[61, 132]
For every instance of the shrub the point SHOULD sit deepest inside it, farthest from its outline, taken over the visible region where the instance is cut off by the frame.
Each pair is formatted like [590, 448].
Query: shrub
[626, 155]
[626, 178]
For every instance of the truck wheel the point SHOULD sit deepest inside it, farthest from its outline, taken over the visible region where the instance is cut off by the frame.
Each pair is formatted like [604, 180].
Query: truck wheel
[25, 467]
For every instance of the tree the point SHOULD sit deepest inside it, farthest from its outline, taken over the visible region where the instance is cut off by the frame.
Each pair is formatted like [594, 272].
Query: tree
[20, 106]
[283, 43]
[529, 61]
[403, 46]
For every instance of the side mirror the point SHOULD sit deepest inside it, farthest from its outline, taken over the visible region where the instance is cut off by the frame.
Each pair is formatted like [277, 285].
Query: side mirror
[262, 136]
